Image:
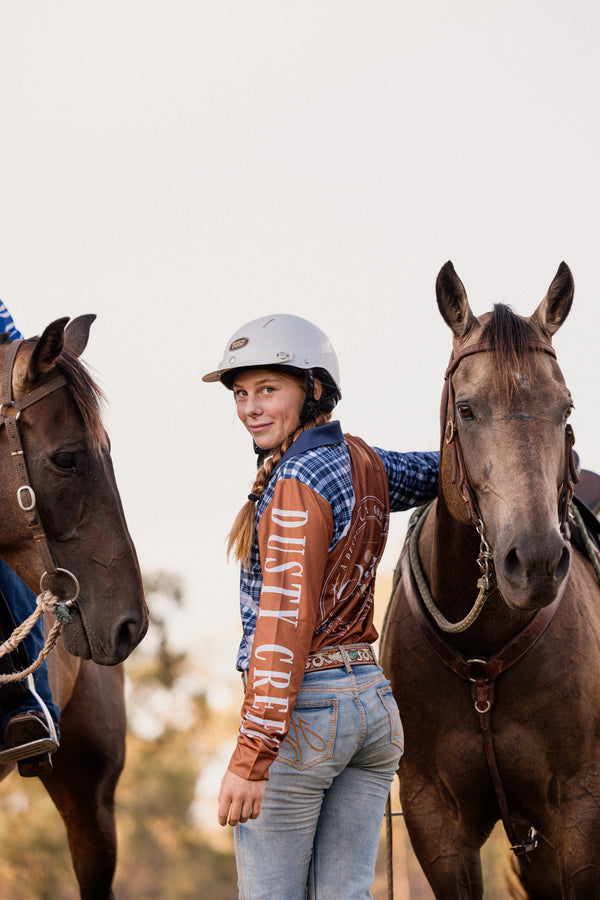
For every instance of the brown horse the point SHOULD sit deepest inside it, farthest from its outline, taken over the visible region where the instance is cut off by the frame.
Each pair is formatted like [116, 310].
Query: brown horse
[502, 715]
[68, 500]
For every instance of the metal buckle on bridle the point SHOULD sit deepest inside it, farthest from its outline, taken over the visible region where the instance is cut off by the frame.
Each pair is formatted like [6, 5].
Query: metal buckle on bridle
[8, 403]
[26, 507]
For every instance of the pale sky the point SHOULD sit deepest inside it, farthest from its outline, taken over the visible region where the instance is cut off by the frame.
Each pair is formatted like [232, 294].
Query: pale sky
[179, 167]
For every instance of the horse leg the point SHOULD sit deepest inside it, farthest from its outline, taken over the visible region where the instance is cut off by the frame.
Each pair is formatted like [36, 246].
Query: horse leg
[448, 849]
[86, 770]
[540, 876]
[578, 849]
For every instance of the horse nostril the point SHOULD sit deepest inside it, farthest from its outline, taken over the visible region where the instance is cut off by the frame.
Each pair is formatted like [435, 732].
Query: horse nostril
[128, 635]
[562, 568]
[513, 568]
[523, 564]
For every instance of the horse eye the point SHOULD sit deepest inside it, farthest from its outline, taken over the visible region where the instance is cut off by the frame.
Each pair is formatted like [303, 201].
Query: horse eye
[65, 462]
[465, 412]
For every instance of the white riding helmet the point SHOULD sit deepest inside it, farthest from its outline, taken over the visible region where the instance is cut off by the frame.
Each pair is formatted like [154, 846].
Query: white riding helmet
[287, 342]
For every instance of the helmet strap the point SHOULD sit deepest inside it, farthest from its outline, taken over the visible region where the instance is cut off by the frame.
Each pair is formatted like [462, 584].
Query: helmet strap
[261, 454]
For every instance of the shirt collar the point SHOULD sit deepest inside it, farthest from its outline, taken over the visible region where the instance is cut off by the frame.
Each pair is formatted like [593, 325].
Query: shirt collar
[321, 436]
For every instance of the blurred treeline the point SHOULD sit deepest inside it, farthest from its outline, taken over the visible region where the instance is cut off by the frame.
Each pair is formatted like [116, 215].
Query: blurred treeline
[170, 847]
[166, 850]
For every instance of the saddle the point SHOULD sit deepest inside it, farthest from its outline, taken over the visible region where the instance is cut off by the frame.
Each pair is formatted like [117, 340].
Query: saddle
[588, 489]
[586, 498]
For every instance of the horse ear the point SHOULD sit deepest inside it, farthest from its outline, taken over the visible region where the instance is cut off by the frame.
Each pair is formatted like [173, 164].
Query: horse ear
[48, 348]
[78, 332]
[555, 307]
[452, 301]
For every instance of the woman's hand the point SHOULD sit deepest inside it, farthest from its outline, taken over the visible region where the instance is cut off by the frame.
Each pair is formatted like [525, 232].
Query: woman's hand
[239, 799]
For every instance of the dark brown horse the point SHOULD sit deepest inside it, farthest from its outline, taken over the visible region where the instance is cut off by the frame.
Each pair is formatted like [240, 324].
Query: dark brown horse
[68, 500]
[502, 717]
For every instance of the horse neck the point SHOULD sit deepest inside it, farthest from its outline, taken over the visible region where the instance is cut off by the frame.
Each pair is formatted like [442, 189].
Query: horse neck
[448, 550]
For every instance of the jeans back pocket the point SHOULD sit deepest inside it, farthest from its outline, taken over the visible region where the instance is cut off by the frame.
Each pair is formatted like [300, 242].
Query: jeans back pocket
[396, 730]
[311, 736]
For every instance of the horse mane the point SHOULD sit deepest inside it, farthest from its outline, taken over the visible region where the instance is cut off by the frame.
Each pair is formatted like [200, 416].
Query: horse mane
[88, 396]
[509, 337]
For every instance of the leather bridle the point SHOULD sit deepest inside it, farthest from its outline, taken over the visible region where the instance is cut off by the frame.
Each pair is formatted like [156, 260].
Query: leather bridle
[451, 439]
[10, 411]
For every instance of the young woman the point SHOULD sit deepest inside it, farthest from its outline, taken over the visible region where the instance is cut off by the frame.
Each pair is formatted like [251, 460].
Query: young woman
[321, 737]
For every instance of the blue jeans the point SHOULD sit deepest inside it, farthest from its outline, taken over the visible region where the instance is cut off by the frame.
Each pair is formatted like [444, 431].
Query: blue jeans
[318, 833]
[21, 601]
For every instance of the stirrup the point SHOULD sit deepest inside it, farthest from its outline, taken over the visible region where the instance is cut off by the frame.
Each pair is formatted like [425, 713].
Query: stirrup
[35, 766]
[32, 756]
[24, 726]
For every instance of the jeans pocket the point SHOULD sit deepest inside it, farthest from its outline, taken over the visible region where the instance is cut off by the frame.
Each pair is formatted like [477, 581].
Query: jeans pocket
[311, 736]
[396, 730]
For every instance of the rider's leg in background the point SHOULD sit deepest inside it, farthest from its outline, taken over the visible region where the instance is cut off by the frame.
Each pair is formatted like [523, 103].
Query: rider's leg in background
[37, 695]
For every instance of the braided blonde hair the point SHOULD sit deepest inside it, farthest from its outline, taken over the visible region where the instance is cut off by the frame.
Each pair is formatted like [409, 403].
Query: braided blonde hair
[241, 535]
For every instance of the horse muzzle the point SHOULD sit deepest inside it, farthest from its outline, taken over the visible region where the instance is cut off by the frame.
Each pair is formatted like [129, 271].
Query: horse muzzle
[531, 574]
[104, 648]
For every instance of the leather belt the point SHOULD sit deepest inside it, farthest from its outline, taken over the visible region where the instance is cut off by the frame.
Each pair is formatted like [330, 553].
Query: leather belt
[343, 655]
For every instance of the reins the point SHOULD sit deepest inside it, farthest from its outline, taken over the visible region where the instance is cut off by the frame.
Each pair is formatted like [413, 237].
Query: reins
[484, 583]
[47, 600]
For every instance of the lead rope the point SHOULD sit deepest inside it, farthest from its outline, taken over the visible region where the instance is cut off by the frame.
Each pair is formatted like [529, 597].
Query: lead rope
[45, 602]
[484, 583]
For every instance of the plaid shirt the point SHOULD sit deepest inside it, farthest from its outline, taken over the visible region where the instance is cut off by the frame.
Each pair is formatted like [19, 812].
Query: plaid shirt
[7, 324]
[320, 459]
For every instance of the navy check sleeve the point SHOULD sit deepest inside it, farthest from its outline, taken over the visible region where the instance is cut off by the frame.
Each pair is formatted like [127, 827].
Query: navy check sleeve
[412, 477]
[7, 324]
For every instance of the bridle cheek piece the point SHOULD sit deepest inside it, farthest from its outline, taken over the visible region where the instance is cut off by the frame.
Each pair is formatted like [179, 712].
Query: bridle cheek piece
[10, 411]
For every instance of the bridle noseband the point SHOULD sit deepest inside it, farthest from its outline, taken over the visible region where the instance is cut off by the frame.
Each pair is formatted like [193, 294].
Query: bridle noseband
[10, 411]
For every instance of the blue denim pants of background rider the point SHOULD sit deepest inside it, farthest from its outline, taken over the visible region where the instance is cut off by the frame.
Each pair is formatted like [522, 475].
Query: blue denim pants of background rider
[22, 603]
[318, 833]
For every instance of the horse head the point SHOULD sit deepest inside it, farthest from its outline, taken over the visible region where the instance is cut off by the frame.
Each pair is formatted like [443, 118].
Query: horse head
[505, 464]
[70, 503]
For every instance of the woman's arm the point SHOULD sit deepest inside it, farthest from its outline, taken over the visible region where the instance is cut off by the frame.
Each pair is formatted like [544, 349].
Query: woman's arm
[412, 477]
[294, 535]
